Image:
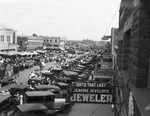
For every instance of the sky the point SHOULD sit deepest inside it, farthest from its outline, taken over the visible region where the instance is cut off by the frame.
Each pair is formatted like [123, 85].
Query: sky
[73, 19]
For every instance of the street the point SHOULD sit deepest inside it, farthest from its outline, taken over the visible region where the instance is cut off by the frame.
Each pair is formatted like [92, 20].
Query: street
[78, 109]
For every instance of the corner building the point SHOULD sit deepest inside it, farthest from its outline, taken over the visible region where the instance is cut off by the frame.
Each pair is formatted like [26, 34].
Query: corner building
[133, 61]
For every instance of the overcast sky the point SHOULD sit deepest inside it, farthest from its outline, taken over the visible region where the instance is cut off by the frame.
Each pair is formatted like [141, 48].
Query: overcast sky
[74, 19]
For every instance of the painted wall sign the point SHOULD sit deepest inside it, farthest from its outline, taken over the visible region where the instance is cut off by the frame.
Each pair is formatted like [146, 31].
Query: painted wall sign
[92, 92]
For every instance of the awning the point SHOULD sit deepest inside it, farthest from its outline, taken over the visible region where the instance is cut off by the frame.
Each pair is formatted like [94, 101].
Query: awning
[61, 48]
[40, 51]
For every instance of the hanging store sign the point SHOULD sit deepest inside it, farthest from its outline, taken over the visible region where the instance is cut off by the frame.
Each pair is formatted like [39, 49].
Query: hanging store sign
[92, 92]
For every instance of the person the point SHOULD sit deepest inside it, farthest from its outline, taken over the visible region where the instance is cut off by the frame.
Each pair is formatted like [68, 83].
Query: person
[31, 75]
[16, 70]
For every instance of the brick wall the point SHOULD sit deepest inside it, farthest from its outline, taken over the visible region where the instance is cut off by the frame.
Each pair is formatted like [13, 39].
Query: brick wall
[134, 53]
[136, 45]
[140, 44]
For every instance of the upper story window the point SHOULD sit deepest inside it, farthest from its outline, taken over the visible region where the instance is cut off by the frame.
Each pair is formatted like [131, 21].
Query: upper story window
[2, 38]
[14, 38]
[8, 38]
[47, 40]
[55, 40]
[50, 40]
[44, 40]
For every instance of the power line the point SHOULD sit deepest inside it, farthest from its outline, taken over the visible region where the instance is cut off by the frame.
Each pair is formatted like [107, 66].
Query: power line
[112, 19]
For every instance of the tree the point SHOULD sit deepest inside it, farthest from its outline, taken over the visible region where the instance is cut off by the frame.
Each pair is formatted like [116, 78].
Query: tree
[34, 34]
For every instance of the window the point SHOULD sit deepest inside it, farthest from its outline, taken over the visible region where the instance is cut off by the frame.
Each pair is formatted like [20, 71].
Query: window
[55, 40]
[14, 37]
[50, 40]
[47, 40]
[8, 38]
[20, 43]
[55, 45]
[2, 38]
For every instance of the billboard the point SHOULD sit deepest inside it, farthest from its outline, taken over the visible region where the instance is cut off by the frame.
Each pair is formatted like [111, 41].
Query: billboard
[92, 92]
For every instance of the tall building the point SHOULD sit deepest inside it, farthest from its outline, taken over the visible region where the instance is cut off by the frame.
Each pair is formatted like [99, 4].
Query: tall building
[133, 70]
[8, 40]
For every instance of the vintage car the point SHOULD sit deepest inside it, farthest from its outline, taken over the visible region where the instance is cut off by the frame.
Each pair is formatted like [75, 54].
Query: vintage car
[53, 88]
[64, 89]
[33, 109]
[48, 99]
[49, 75]
[37, 81]
[66, 80]
[6, 104]
[71, 74]
[18, 90]
[83, 77]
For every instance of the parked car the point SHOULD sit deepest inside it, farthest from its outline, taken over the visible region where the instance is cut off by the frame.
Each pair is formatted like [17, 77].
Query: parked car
[64, 89]
[6, 104]
[53, 88]
[19, 90]
[48, 99]
[37, 81]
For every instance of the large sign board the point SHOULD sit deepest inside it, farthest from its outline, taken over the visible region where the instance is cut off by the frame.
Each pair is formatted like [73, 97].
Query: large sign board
[92, 92]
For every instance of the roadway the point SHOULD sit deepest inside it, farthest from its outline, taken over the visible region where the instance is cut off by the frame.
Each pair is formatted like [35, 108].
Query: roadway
[77, 109]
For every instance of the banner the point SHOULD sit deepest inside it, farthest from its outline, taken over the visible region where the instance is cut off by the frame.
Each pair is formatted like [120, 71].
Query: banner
[92, 92]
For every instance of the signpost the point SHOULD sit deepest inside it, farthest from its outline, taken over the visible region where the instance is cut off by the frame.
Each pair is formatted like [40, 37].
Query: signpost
[92, 92]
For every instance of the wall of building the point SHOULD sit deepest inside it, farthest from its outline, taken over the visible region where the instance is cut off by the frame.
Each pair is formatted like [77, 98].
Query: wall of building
[52, 42]
[133, 55]
[8, 40]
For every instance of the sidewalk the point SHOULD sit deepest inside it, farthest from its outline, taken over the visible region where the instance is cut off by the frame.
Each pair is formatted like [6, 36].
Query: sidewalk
[85, 109]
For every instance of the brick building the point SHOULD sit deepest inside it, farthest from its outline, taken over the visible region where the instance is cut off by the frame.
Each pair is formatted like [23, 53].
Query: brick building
[133, 59]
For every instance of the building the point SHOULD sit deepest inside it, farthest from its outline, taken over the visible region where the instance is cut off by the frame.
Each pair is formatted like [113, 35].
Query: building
[30, 43]
[133, 66]
[54, 43]
[8, 40]
[22, 42]
[114, 44]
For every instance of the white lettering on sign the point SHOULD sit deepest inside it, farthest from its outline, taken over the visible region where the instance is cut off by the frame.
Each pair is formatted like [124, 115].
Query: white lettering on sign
[99, 91]
[80, 84]
[103, 98]
[90, 85]
[81, 90]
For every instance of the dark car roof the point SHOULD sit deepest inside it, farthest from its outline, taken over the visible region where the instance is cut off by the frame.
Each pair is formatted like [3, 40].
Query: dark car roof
[39, 93]
[4, 97]
[31, 107]
[46, 87]
[21, 86]
[70, 72]
[47, 73]
[79, 65]
[66, 78]
[61, 84]
[36, 78]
